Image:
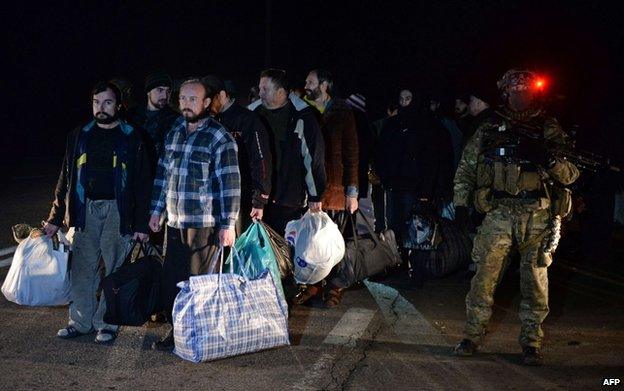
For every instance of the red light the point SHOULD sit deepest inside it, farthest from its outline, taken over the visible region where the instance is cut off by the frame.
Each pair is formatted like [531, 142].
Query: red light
[539, 84]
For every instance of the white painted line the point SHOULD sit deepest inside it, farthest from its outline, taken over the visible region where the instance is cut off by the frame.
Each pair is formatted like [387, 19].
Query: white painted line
[7, 251]
[317, 373]
[350, 327]
[347, 331]
[413, 328]
[409, 324]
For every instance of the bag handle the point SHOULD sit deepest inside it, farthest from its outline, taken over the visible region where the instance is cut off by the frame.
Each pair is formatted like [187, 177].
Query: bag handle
[369, 227]
[129, 255]
[235, 254]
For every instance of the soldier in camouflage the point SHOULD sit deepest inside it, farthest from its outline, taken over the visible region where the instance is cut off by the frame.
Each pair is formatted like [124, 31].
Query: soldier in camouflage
[514, 186]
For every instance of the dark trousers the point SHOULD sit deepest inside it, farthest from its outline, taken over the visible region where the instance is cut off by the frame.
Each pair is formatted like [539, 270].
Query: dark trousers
[399, 206]
[244, 220]
[378, 197]
[190, 252]
[277, 216]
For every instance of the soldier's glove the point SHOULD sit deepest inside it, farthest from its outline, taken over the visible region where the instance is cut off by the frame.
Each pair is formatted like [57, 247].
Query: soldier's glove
[462, 217]
[535, 152]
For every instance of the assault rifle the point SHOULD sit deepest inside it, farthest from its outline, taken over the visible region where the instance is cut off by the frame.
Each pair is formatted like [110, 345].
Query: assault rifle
[505, 142]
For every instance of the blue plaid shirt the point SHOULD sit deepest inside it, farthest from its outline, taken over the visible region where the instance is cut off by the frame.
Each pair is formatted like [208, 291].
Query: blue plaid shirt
[197, 179]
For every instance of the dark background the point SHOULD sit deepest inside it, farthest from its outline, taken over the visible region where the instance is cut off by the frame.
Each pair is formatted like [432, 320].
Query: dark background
[56, 53]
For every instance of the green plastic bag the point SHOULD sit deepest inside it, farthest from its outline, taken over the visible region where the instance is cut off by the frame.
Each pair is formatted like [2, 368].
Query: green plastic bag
[254, 249]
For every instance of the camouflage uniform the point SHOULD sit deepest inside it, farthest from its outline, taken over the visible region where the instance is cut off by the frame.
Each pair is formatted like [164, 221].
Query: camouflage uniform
[511, 222]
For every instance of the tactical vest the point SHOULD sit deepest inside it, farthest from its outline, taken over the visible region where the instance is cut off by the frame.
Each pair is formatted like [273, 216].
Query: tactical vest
[502, 176]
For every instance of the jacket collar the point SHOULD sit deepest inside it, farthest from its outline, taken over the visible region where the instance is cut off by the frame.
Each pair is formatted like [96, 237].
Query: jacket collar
[299, 103]
[126, 128]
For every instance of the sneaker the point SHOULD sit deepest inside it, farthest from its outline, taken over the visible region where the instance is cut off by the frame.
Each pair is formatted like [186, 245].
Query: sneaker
[465, 348]
[105, 336]
[165, 344]
[532, 356]
[70, 332]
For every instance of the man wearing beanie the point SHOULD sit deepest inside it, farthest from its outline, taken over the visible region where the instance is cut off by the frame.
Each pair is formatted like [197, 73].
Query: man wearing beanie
[254, 153]
[479, 102]
[156, 117]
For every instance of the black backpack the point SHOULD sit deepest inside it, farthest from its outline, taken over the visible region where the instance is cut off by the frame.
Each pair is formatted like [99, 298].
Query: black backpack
[366, 255]
[132, 292]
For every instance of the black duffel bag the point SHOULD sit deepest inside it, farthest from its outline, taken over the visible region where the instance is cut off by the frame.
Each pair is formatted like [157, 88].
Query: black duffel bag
[365, 255]
[451, 255]
[132, 292]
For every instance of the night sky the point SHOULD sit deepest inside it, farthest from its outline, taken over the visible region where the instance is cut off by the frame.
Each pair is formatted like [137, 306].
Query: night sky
[56, 53]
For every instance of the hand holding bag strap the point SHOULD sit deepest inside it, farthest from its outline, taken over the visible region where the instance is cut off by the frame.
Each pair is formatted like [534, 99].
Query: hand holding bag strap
[129, 255]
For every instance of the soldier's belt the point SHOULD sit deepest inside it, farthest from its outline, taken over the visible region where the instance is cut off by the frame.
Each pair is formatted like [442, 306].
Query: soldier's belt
[532, 195]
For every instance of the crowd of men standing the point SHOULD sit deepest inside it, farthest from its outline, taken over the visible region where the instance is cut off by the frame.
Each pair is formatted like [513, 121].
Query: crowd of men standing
[206, 167]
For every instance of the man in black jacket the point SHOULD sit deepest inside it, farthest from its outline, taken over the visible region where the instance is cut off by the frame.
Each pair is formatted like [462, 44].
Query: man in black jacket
[480, 101]
[156, 117]
[297, 149]
[415, 163]
[254, 154]
[103, 191]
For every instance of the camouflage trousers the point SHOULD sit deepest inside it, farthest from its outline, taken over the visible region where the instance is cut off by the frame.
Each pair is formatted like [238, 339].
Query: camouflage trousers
[503, 229]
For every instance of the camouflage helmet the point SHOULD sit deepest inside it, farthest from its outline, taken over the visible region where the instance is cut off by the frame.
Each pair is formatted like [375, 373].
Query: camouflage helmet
[516, 79]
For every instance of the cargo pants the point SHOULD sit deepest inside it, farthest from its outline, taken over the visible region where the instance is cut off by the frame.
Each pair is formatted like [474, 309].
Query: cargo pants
[505, 228]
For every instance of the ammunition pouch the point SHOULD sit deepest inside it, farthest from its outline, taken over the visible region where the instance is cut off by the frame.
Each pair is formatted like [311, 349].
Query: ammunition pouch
[561, 201]
[514, 178]
[483, 200]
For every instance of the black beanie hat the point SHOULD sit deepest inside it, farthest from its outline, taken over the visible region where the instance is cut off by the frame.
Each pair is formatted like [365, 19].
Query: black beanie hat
[157, 79]
[486, 93]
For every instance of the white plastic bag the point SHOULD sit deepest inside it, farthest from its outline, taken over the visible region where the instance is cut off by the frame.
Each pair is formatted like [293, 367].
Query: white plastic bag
[38, 275]
[319, 246]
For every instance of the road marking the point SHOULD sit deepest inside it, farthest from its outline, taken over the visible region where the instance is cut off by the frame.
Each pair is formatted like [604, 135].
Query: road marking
[319, 371]
[413, 328]
[7, 251]
[346, 333]
[409, 324]
[350, 327]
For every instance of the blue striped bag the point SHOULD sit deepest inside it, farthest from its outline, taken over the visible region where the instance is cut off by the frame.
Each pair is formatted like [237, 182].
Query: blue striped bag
[223, 315]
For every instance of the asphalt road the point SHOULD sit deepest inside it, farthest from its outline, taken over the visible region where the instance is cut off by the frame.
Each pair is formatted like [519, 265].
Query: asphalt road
[384, 336]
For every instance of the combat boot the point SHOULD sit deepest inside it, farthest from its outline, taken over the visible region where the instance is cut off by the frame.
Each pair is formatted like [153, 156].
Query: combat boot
[465, 348]
[532, 356]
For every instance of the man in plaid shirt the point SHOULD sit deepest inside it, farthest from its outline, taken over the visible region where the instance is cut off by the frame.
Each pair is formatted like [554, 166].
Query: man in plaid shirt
[198, 186]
